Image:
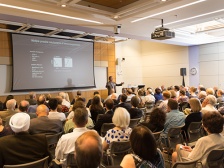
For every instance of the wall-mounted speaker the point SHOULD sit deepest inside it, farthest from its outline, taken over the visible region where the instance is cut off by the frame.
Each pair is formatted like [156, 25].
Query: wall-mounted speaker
[183, 72]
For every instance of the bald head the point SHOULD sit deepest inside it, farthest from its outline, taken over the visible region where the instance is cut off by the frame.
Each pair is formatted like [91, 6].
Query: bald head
[88, 146]
[42, 110]
[41, 99]
[23, 106]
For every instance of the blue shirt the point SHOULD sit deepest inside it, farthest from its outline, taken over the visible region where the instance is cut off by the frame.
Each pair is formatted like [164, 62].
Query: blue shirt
[174, 118]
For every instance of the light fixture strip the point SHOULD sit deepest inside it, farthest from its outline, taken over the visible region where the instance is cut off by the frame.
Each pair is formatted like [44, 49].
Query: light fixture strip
[166, 11]
[48, 13]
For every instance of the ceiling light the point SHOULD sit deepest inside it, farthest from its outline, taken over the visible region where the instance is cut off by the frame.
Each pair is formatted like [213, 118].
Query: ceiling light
[63, 5]
[193, 17]
[49, 13]
[163, 0]
[166, 11]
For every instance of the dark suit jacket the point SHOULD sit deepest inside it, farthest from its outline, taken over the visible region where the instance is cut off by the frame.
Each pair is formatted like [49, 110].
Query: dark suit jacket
[43, 125]
[22, 148]
[135, 113]
[32, 101]
[127, 106]
[105, 118]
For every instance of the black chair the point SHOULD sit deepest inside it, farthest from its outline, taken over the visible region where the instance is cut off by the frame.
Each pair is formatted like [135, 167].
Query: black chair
[183, 106]
[158, 139]
[134, 122]
[105, 127]
[52, 141]
[42, 163]
[149, 106]
[187, 164]
[215, 158]
[194, 132]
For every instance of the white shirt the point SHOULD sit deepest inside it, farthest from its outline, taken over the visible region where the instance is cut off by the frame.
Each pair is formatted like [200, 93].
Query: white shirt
[149, 98]
[56, 115]
[66, 103]
[208, 108]
[66, 144]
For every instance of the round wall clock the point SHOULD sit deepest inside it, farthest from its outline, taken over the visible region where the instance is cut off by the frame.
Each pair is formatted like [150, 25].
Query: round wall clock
[193, 71]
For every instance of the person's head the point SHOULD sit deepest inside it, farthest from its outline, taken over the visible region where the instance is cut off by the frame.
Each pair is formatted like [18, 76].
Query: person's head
[41, 99]
[80, 117]
[195, 105]
[193, 89]
[11, 104]
[114, 96]
[211, 99]
[19, 122]
[121, 118]
[78, 104]
[23, 106]
[95, 93]
[210, 91]
[9, 97]
[158, 91]
[135, 101]
[213, 122]
[129, 91]
[166, 94]
[53, 103]
[32, 95]
[182, 93]
[62, 94]
[176, 88]
[173, 94]
[88, 146]
[109, 104]
[79, 93]
[42, 110]
[143, 143]
[110, 78]
[59, 99]
[158, 117]
[220, 92]
[48, 96]
[202, 94]
[172, 104]
[141, 92]
[123, 98]
[96, 99]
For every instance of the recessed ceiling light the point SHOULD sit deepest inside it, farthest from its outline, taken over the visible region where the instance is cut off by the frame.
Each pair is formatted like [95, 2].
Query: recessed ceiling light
[49, 13]
[163, 0]
[170, 10]
[63, 5]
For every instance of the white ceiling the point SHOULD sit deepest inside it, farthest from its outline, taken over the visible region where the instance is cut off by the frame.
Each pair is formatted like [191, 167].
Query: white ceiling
[205, 28]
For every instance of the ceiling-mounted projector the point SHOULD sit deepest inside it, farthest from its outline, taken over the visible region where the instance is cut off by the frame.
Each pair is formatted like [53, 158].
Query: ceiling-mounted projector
[162, 33]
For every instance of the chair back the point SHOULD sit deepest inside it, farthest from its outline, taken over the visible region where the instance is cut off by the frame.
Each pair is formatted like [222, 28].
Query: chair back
[157, 138]
[105, 127]
[149, 106]
[71, 162]
[134, 122]
[187, 164]
[43, 163]
[174, 137]
[215, 158]
[118, 150]
[183, 106]
[194, 131]
[52, 141]
[98, 116]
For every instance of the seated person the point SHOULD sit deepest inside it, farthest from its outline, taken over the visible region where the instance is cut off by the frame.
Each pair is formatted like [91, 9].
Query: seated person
[107, 117]
[145, 153]
[135, 112]
[213, 125]
[22, 147]
[96, 108]
[121, 131]
[88, 146]
[4, 130]
[123, 103]
[53, 113]
[42, 124]
[156, 121]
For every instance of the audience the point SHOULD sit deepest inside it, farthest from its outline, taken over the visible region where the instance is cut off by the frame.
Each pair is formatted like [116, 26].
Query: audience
[213, 125]
[42, 124]
[157, 120]
[53, 114]
[135, 112]
[4, 130]
[22, 147]
[220, 95]
[195, 115]
[107, 117]
[96, 108]
[210, 91]
[89, 147]
[174, 117]
[41, 100]
[158, 95]
[202, 95]
[9, 97]
[61, 107]
[145, 153]
[182, 97]
[193, 92]
[32, 98]
[166, 97]
[121, 131]
[66, 143]
[78, 95]
[123, 103]
[208, 104]
[11, 109]
[150, 98]
[90, 100]
[64, 101]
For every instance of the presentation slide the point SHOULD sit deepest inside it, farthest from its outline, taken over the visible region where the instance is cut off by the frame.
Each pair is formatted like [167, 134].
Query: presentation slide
[41, 63]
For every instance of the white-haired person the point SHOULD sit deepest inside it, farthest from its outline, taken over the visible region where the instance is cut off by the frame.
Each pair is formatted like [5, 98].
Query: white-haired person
[22, 147]
[121, 131]
[208, 104]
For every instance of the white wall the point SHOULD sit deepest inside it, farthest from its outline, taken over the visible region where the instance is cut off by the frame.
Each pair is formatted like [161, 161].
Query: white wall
[211, 62]
[152, 64]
